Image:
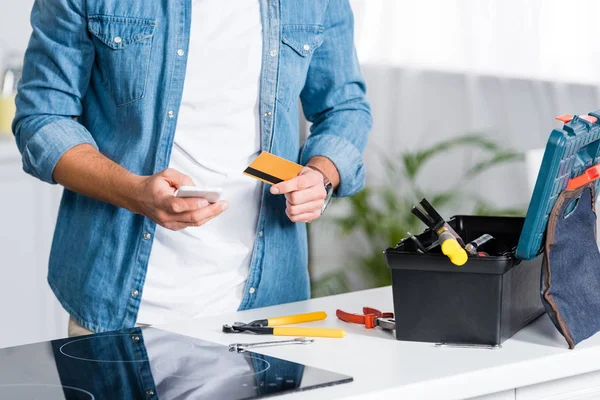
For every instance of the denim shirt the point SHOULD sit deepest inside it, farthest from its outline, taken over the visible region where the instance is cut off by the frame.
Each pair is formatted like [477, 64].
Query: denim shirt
[110, 73]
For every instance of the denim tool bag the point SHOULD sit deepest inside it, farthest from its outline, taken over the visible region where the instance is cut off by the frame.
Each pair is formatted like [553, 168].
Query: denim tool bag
[561, 222]
[571, 266]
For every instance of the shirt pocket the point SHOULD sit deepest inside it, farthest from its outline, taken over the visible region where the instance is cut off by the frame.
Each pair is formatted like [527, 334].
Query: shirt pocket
[123, 49]
[298, 45]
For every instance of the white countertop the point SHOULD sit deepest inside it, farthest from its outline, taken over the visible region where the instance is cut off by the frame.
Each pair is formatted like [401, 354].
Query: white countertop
[383, 367]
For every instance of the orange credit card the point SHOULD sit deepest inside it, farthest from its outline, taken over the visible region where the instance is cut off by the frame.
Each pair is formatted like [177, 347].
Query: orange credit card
[272, 169]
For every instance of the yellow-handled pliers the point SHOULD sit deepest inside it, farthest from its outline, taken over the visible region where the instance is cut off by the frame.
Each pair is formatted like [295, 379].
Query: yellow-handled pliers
[272, 326]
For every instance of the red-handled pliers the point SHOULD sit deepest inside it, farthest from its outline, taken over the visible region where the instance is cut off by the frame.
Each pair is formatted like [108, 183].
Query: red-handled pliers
[370, 318]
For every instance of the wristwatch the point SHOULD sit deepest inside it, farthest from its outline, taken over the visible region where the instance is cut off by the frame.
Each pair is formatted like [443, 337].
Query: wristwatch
[328, 187]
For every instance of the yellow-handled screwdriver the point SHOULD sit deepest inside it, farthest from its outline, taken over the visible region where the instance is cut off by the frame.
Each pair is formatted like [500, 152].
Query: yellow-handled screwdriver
[451, 248]
[290, 319]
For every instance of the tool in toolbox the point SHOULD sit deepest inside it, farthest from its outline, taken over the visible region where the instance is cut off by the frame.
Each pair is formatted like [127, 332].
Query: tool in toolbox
[370, 318]
[472, 247]
[420, 247]
[272, 326]
[570, 159]
[243, 347]
[451, 243]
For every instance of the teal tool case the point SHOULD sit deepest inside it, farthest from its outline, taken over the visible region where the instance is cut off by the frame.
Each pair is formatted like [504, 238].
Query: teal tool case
[569, 152]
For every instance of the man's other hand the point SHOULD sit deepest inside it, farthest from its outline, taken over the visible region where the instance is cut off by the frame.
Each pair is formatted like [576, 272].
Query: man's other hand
[305, 195]
[155, 200]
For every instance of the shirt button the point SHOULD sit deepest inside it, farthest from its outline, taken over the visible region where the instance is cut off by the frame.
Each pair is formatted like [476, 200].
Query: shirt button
[147, 236]
[117, 39]
[134, 293]
[273, 53]
[171, 114]
[268, 114]
[180, 52]
[252, 290]
[260, 233]
[149, 393]
[306, 47]
[135, 338]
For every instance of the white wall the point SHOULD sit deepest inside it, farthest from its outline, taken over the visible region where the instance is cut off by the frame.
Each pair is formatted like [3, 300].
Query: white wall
[14, 26]
[535, 39]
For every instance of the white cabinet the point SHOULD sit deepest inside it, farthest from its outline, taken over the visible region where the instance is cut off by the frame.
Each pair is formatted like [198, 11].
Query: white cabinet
[580, 387]
[28, 310]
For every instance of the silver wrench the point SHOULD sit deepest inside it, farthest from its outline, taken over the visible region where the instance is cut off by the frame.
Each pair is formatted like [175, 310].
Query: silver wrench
[241, 347]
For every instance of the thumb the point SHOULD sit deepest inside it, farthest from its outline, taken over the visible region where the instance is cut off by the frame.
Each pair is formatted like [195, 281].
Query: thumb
[176, 178]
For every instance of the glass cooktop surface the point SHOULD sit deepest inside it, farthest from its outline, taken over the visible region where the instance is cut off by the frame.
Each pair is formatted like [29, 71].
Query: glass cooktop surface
[149, 363]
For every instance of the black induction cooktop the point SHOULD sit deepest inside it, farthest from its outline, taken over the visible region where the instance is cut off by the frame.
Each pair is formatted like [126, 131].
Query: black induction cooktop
[149, 363]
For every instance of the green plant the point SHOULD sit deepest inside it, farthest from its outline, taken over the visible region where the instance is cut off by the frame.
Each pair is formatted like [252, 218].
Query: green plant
[380, 215]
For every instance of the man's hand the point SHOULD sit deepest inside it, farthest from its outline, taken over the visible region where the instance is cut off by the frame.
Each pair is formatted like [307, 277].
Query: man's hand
[84, 170]
[305, 195]
[155, 200]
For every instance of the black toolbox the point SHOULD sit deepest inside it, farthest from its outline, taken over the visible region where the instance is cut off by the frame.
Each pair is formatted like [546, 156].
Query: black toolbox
[484, 302]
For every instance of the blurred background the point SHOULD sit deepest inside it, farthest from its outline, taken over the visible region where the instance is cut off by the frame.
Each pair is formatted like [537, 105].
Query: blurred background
[464, 95]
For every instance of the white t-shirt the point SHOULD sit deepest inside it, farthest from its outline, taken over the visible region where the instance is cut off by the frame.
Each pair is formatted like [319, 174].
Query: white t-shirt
[202, 271]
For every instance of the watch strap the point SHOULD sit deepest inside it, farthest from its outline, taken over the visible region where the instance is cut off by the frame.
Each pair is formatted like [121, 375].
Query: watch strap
[327, 185]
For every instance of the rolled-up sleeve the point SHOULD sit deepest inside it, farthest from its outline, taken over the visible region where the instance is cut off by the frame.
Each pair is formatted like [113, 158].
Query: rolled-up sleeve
[334, 100]
[56, 75]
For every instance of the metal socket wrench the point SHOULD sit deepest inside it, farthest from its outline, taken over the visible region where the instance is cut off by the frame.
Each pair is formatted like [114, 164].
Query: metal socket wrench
[241, 347]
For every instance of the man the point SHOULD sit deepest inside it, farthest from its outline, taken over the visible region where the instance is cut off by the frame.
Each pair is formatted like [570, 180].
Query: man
[122, 102]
